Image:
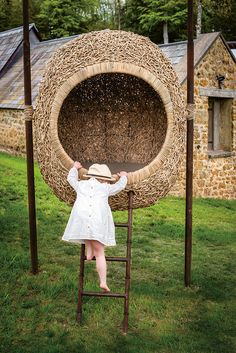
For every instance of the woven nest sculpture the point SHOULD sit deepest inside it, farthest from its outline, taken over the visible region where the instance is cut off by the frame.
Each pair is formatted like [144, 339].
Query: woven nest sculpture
[111, 97]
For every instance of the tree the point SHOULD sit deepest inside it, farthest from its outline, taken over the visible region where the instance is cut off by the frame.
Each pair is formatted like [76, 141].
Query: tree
[11, 15]
[199, 18]
[152, 18]
[170, 14]
[219, 16]
[5, 10]
[111, 12]
[59, 18]
[131, 14]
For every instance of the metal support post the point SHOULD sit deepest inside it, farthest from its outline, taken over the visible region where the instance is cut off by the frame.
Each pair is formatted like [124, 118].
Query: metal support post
[29, 140]
[189, 152]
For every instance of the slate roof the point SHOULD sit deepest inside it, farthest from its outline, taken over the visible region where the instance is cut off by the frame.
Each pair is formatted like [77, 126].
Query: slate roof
[201, 45]
[11, 61]
[12, 82]
[177, 52]
[174, 51]
[9, 43]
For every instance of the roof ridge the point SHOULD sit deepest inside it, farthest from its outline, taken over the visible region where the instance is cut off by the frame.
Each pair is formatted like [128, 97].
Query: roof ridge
[17, 29]
[172, 44]
[56, 40]
[186, 41]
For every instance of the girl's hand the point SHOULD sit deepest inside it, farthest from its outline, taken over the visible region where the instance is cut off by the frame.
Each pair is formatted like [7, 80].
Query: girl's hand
[77, 165]
[122, 174]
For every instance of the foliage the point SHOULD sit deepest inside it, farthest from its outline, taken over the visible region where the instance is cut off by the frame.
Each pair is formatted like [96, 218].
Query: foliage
[38, 312]
[11, 13]
[4, 14]
[131, 20]
[220, 16]
[57, 18]
[158, 12]
[61, 18]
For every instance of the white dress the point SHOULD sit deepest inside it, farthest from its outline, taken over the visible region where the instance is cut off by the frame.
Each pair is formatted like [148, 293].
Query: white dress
[91, 216]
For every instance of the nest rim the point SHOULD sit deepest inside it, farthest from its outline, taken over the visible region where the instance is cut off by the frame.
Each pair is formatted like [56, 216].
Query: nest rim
[111, 67]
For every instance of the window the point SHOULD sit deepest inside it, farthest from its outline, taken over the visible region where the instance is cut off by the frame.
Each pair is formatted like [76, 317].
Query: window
[219, 125]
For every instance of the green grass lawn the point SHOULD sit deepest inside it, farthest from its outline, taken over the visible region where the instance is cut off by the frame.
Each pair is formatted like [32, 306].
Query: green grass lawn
[38, 311]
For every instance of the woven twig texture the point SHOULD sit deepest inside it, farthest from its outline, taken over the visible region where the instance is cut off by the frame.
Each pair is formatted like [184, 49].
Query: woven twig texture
[111, 97]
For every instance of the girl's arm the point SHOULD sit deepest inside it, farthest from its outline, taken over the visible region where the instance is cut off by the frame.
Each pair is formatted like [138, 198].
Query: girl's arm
[72, 177]
[119, 185]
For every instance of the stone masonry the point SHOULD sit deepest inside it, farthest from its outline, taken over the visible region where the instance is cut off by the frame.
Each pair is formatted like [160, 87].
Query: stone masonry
[12, 131]
[212, 176]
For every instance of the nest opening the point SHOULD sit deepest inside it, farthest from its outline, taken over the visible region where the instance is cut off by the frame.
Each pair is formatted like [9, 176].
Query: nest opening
[113, 118]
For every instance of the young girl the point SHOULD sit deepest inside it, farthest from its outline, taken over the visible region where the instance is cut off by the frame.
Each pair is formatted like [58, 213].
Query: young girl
[91, 221]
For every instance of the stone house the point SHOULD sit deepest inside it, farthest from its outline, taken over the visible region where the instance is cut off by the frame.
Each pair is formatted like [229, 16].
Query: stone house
[215, 115]
[12, 128]
[215, 104]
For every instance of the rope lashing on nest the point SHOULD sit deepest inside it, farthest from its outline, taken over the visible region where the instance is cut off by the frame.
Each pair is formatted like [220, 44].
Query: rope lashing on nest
[28, 112]
[190, 111]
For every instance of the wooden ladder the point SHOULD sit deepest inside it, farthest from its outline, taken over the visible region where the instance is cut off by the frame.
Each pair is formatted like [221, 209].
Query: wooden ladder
[126, 259]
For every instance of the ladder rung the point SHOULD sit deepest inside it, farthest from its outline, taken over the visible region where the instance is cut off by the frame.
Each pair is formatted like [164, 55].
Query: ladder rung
[104, 294]
[121, 225]
[118, 259]
[111, 258]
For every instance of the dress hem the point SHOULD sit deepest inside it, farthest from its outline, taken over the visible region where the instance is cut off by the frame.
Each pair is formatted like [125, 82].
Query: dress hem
[82, 241]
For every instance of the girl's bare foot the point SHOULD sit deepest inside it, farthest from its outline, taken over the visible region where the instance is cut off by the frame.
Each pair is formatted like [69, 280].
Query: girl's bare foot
[104, 287]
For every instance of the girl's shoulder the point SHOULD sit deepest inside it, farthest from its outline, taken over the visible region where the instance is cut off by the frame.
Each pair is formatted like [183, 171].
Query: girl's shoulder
[83, 184]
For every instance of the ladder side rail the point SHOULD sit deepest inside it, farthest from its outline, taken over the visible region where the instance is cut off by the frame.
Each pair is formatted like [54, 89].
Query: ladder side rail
[81, 284]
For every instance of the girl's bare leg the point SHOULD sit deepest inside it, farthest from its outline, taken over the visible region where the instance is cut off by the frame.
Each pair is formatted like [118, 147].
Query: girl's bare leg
[98, 250]
[89, 249]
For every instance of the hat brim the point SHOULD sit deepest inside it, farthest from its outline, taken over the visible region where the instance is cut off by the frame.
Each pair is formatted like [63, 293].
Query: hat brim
[99, 177]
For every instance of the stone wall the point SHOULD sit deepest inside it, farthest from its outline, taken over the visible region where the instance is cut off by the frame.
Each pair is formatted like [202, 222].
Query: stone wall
[213, 176]
[12, 131]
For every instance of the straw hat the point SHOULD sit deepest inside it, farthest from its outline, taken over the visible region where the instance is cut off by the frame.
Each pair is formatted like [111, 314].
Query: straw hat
[100, 171]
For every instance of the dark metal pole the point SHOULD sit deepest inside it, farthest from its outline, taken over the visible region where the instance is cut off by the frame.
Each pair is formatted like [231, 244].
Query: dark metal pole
[128, 263]
[189, 152]
[29, 140]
